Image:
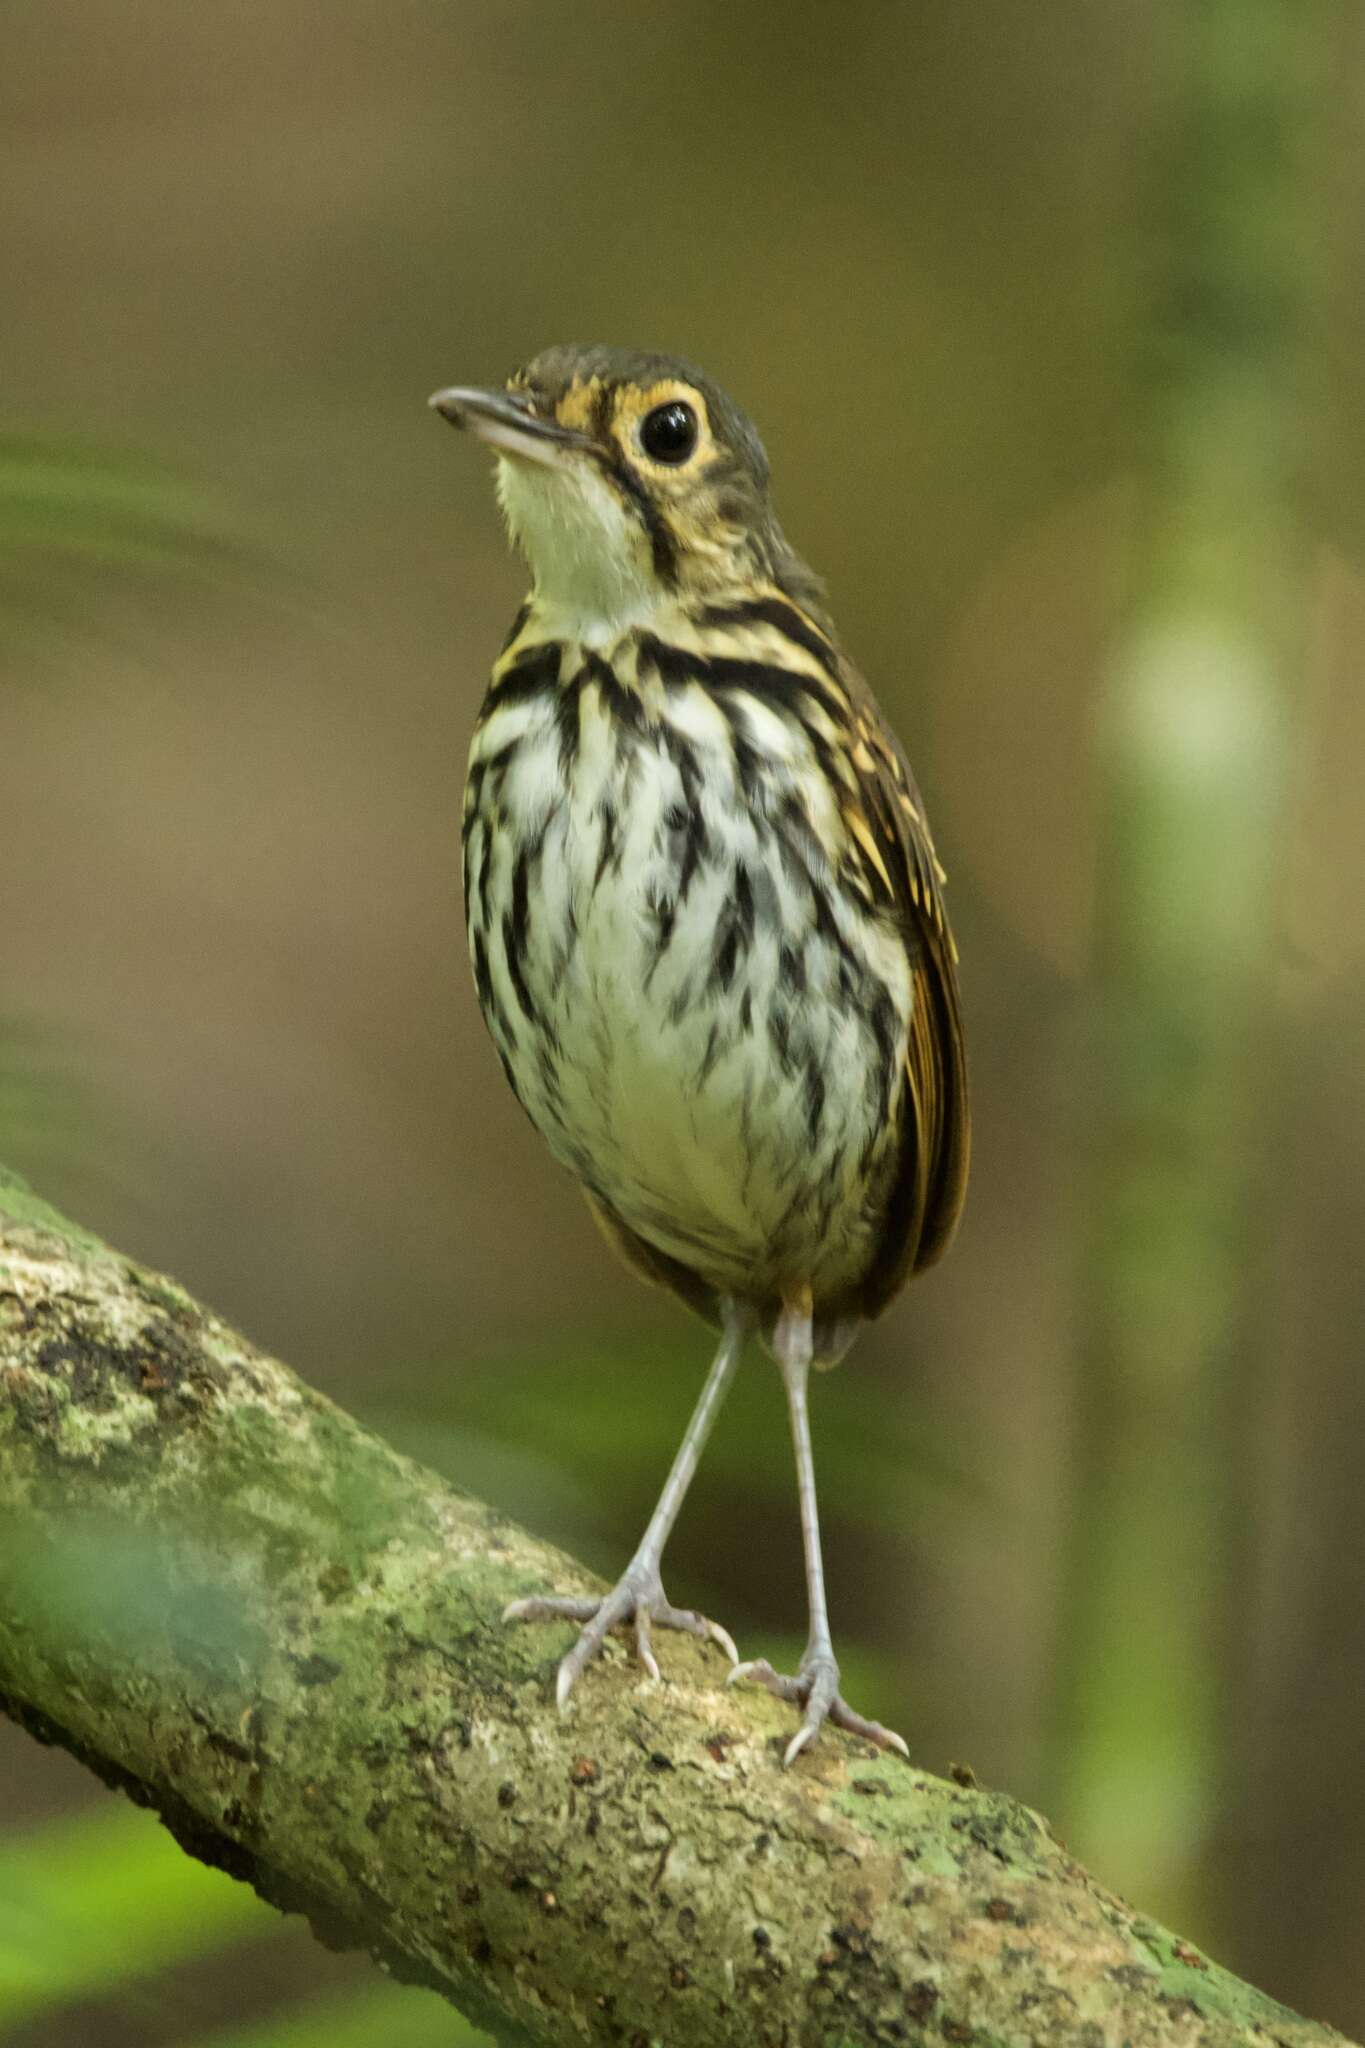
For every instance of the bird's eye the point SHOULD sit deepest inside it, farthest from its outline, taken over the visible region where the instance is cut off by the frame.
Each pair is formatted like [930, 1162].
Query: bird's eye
[669, 433]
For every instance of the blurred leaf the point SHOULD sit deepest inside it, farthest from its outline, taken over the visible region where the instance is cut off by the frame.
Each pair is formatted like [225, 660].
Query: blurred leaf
[82, 506]
[99, 1900]
[396, 2016]
[73, 518]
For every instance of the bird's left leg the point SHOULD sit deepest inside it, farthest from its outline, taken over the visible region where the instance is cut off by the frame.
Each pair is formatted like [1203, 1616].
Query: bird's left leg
[815, 1686]
[638, 1598]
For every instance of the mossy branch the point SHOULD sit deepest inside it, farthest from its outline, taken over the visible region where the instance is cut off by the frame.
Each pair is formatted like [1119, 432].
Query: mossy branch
[234, 1603]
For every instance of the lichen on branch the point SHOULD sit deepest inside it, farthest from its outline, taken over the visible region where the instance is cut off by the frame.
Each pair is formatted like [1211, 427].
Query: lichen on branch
[236, 1604]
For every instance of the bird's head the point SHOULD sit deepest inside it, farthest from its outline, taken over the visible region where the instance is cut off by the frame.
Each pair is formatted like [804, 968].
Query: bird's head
[627, 479]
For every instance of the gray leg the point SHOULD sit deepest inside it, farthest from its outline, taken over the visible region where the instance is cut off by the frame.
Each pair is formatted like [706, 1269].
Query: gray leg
[816, 1685]
[638, 1595]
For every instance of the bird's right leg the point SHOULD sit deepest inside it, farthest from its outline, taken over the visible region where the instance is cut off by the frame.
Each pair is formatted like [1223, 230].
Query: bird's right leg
[638, 1597]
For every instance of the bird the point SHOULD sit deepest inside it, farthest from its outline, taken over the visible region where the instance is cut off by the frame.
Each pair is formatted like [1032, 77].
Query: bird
[706, 921]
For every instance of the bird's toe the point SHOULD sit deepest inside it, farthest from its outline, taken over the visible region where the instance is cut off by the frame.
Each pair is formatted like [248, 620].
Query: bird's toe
[637, 1602]
[815, 1689]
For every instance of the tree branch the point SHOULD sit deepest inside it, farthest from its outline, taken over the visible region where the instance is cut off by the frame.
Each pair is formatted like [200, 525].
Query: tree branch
[234, 1603]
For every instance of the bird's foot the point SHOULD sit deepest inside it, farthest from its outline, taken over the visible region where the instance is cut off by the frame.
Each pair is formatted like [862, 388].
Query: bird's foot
[636, 1600]
[816, 1688]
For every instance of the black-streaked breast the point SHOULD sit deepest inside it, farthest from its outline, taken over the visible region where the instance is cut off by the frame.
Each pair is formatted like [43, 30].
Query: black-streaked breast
[707, 939]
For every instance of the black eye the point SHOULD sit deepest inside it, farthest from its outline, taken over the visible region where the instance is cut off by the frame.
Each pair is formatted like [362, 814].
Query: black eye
[669, 433]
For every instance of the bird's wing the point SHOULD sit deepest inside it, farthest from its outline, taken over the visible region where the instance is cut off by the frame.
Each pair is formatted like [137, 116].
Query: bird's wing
[889, 843]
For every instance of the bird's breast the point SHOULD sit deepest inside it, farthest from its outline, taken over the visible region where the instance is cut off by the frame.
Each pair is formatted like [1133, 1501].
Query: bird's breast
[697, 1019]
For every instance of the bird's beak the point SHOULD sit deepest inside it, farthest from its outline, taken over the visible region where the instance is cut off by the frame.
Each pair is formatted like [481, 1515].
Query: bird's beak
[506, 422]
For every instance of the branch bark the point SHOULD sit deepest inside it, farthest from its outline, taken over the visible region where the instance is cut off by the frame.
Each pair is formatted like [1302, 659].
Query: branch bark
[237, 1605]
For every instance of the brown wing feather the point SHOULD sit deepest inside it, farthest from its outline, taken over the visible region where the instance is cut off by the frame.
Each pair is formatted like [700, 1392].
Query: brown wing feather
[931, 1179]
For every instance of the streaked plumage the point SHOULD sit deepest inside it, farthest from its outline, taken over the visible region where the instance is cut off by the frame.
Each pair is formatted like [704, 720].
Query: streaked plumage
[703, 906]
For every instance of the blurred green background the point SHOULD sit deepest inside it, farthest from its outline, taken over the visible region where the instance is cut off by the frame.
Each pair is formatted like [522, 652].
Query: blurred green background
[1036, 308]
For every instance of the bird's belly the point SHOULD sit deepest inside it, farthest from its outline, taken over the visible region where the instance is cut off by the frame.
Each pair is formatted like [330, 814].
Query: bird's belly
[697, 1037]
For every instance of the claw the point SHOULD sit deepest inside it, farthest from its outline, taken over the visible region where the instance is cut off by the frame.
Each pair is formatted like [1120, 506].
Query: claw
[804, 1734]
[754, 1667]
[637, 1601]
[644, 1648]
[815, 1688]
[565, 1679]
[722, 1639]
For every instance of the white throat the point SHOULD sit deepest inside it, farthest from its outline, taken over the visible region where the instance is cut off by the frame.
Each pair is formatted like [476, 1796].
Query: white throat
[589, 557]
